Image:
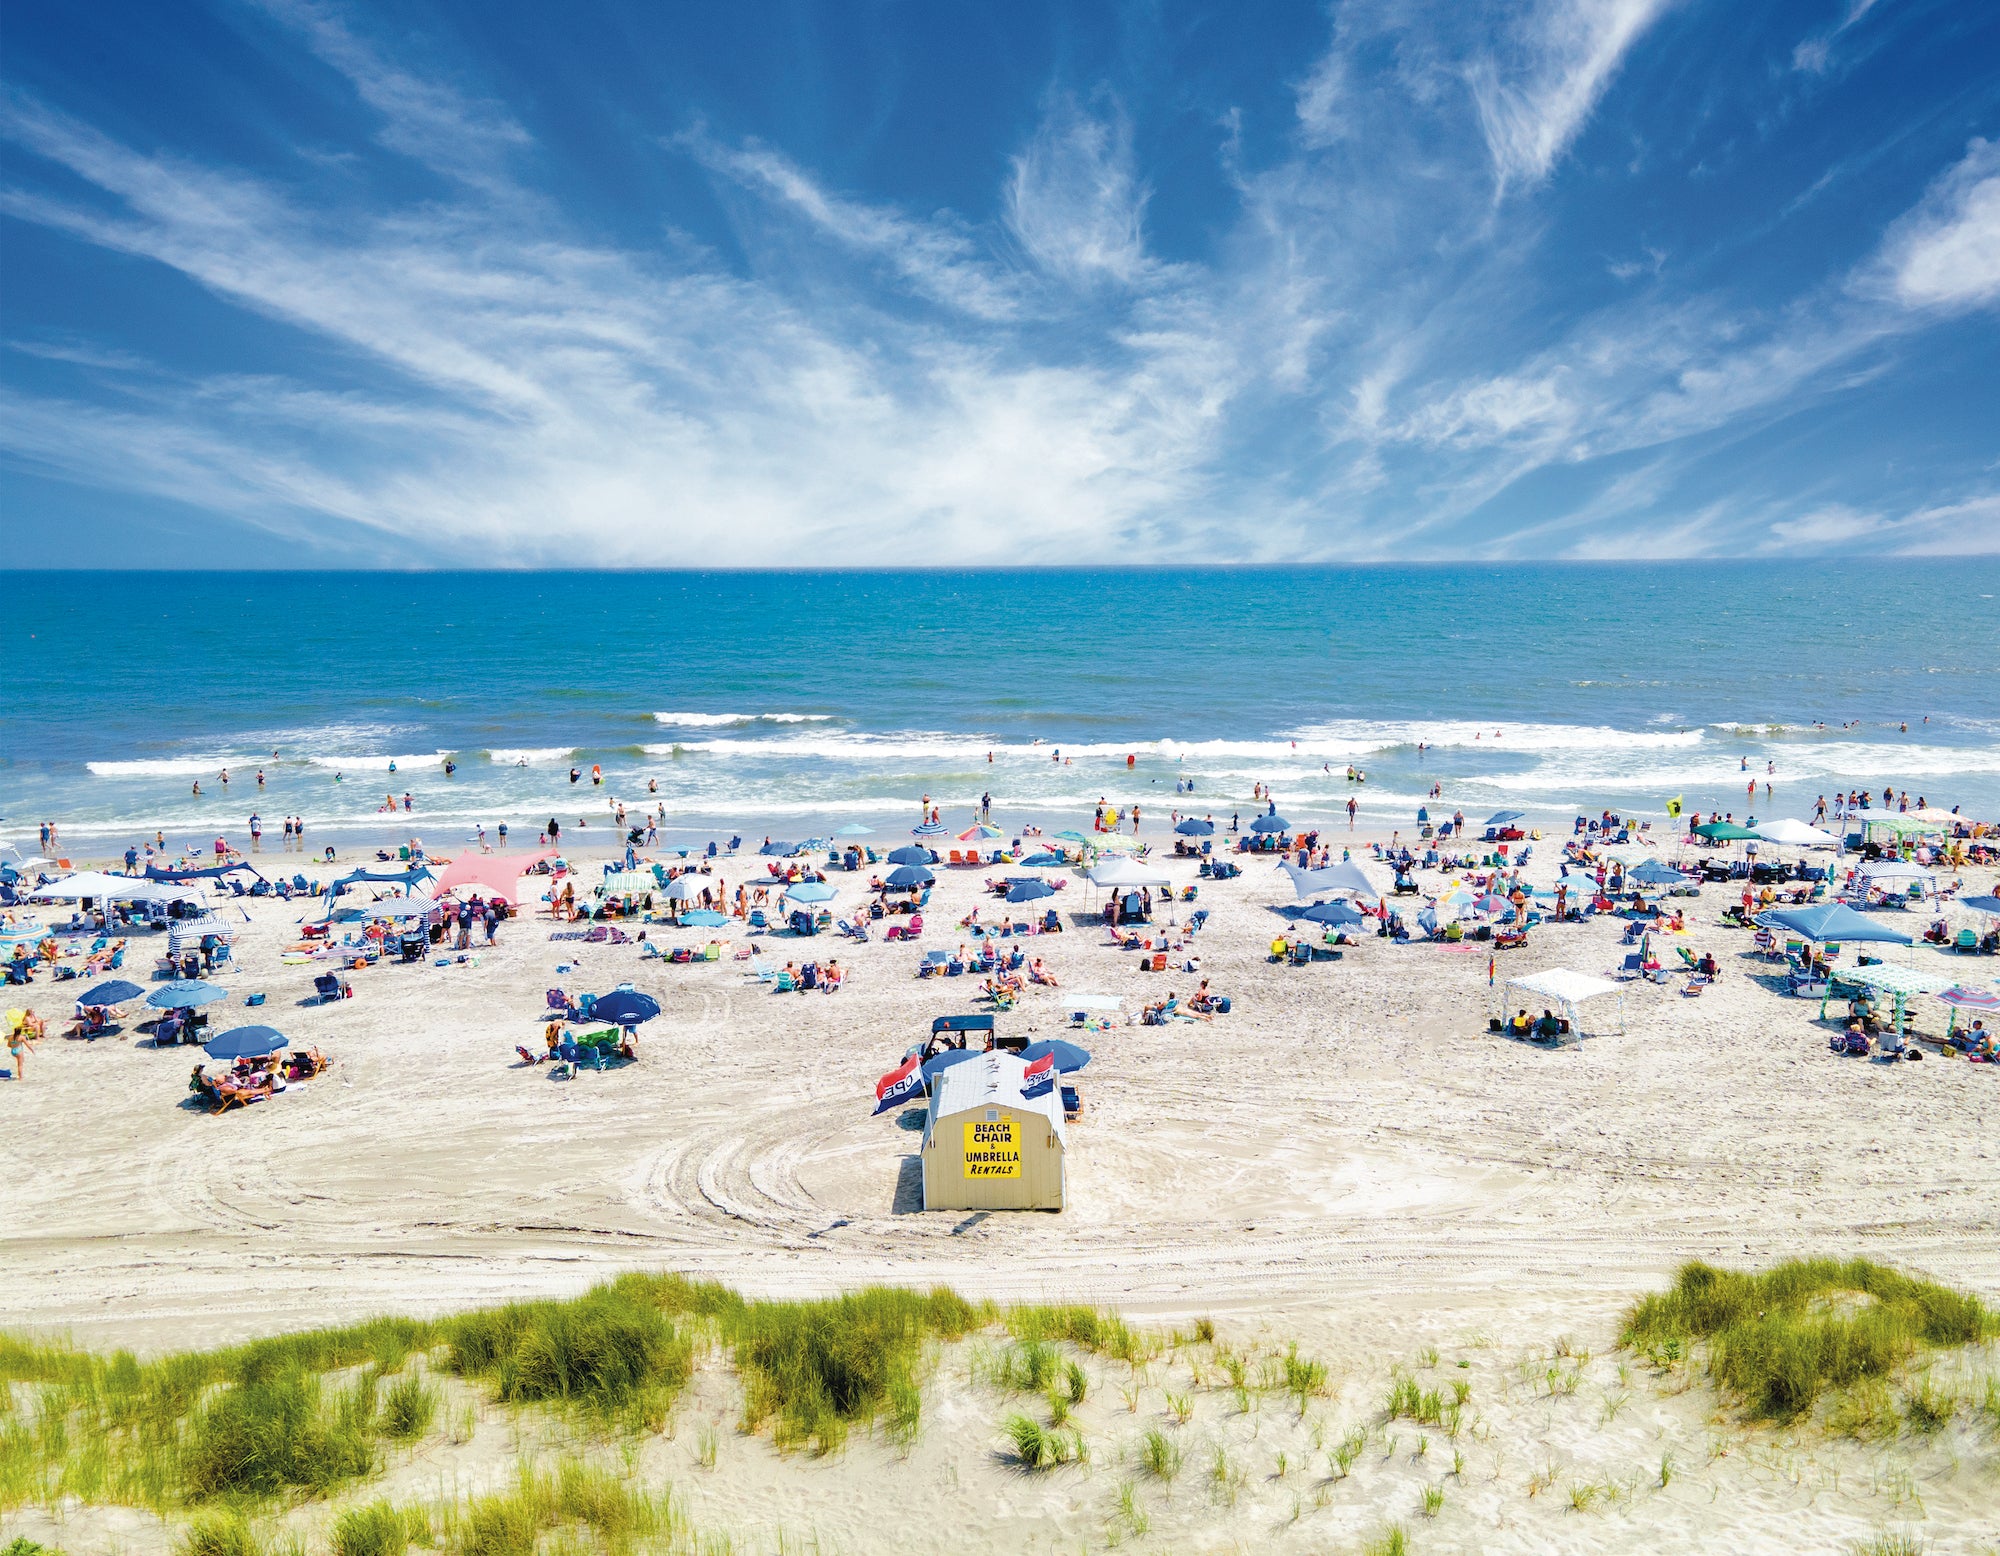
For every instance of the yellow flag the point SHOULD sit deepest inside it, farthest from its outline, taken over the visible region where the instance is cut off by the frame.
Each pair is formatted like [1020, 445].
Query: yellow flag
[1674, 807]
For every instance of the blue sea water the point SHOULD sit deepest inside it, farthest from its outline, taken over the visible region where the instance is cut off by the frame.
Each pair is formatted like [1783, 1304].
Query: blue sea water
[789, 703]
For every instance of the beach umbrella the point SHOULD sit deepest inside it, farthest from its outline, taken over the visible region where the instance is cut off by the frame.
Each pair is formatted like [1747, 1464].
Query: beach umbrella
[811, 891]
[1500, 818]
[185, 994]
[928, 829]
[1029, 891]
[1194, 826]
[116, 992]
[778, 850]
[978, 832]
[1724, 832]
[1337, 914]
[704, 918]
[855, 829]
[682, 888]
[1073, 837]
[947, 1058]
[1451, 904]
[910, 875]
[1491, 903]
[1964, 997]
[625, 1007]
[1990, 906]
[1270, 822]
[910, 853]
[1069, 1058]
[244, 1043]
[1654, 873]
[1042, 861]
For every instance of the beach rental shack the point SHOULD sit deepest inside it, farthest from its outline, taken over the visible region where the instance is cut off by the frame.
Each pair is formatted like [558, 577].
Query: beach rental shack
[988, 1147]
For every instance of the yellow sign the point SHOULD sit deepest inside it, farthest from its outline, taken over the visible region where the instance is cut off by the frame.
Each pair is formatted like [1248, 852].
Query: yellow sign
[993, 1149]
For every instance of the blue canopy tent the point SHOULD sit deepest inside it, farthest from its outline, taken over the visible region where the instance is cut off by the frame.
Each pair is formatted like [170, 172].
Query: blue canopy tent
[1834, 921]
[407, 879]
[155, 872]
[244, 1043]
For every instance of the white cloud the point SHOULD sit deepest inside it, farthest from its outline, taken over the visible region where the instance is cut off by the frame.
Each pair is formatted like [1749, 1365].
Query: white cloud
[1074, 201]
[1945, 254]
[1564, 55]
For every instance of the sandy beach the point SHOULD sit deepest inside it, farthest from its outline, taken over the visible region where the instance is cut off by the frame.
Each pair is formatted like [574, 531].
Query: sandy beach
[1349, 1155]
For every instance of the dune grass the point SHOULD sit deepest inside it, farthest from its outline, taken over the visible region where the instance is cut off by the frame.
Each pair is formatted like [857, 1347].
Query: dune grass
[1780, 1339]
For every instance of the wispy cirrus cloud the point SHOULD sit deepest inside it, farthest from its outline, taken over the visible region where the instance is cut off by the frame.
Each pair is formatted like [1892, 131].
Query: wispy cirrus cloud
[1365, 360]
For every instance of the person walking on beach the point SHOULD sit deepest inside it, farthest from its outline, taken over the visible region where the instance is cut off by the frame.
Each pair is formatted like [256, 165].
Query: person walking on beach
[256, 832]
[1352, 808]
[555, 831]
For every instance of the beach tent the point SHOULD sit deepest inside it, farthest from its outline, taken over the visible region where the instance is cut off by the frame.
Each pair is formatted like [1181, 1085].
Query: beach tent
[1888, 875]
[185, 931]
[407, 879]
[489, 874]
[415, 905]
[95, 885]
[987, 1146]
[157, 872]
[1724, 832]
[1565, 989]
[1896, 826]
[628, 883]
[1834, 921]
[1796, 834]
[1346, 876]
[1127, 872]
[1899, 983]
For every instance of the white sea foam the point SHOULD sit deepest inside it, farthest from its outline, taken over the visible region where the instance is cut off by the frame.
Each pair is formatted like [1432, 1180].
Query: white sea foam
[420, 762]
[513, 756]
[178, 767]
[721, 720]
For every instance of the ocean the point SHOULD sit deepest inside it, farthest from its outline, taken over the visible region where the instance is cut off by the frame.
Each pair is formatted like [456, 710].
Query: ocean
[789, 703]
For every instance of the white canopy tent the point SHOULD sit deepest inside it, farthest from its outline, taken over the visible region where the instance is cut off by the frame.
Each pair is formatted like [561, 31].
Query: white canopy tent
[1564, 988]
[1127, 872]
[1796, 834]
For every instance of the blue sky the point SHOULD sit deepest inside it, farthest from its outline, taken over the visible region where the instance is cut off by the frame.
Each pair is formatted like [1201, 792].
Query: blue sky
[418, 285]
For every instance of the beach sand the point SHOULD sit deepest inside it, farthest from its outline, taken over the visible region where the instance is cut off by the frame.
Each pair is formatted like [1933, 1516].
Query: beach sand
[1348, 1159]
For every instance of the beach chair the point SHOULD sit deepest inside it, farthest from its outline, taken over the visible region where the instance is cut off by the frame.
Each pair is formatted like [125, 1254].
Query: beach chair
[784, 983]
[331, 986]
[1966, 941]
[757, 920]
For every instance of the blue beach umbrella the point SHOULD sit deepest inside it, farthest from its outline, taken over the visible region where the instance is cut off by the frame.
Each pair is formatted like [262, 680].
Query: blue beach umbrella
[929, 829]
[1194, 826]
[1029, 891]
[1500, 818]
[1653, 873]
[704, 918]
[811, 891]
[115, 992]
[1269, 823]
[855, 829]
[947, 1058]
[244, 1043]
[185, 994]
[910, 875]
[909, 853]
[625, 1008]
[1073, 837]
[1337, 914]
[1042, 861]
[1069, 1058]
